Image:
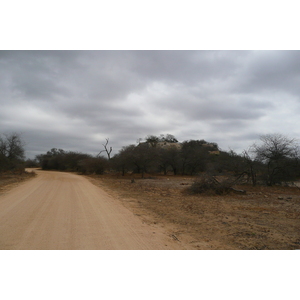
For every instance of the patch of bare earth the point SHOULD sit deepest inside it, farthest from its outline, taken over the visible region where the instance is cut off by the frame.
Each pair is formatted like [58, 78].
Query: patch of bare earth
[263, 218]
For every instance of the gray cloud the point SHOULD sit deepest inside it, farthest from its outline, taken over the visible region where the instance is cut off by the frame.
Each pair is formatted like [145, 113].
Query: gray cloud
[271, 71]
[75, 99]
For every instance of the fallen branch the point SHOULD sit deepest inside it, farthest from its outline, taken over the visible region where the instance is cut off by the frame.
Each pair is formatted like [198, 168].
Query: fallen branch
[175, 237]
[243, 192]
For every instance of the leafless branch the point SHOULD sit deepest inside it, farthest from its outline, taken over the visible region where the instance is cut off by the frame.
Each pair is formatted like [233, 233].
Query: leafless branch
[108, 151]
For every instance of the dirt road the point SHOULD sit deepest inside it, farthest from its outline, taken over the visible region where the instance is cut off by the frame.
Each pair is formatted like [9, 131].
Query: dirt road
[65, 211]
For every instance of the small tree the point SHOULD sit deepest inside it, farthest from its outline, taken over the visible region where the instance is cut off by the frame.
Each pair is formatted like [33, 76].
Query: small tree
[144, 158]
[173, 158]
[152, 140]
[250, 167]
[93, 165]
[11, 151]
[193, 157]
[169, 138]
[277, 152]
[123, 160]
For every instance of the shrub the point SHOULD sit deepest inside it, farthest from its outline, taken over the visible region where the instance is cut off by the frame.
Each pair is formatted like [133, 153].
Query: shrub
[93, 165]
[208, 184]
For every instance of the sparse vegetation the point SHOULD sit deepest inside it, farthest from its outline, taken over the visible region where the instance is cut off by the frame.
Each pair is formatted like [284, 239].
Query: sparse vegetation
[263, 218]
[272, 161]
[193, 184]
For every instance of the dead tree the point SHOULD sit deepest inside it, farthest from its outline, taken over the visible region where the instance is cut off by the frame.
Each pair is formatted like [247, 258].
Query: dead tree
[108, 152]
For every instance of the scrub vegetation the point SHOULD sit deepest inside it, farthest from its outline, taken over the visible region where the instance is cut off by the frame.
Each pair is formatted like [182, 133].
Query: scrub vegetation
[273, 160]
[215, 199]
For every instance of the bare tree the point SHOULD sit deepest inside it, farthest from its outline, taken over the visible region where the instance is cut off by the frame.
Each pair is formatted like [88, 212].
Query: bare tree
[278, 153]
[108, 151]
[274, 147]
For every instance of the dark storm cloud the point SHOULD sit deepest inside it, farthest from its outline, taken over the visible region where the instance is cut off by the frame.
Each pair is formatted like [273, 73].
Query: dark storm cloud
[76, 99]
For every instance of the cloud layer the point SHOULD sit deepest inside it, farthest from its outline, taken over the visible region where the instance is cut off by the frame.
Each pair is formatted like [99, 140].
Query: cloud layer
[75, 99]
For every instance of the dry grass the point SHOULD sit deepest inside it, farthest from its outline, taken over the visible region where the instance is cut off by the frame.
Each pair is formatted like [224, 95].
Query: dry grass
[263, 218]
[9, 180]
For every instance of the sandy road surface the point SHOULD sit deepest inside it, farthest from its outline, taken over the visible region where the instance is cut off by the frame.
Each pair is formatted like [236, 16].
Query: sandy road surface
[65, 211]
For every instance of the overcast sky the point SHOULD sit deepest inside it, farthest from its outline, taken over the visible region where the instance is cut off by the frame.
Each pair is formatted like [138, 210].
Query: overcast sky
[74, 100]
